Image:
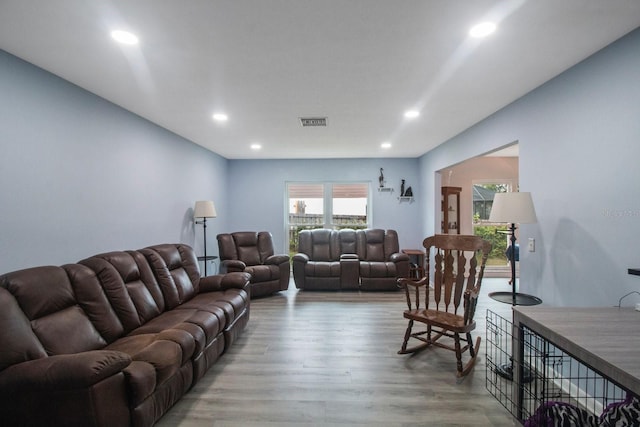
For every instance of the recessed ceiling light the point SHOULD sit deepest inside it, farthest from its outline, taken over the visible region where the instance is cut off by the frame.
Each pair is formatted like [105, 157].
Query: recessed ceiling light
[385, 145]
[220, 117]
[124, 37]
[482, 29]
[411, 114]
[256, 146]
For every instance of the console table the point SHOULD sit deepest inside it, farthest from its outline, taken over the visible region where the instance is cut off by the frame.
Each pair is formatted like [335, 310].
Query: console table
[603, 338]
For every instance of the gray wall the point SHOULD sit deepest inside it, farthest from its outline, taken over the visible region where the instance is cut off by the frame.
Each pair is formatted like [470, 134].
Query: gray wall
[79, 175]
[257, 193]
[579, 138]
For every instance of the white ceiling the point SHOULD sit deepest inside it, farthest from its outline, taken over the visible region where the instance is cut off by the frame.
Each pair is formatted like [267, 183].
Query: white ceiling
[360, 63]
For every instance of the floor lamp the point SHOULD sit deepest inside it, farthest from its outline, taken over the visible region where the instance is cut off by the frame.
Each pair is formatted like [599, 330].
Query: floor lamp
[204, 209]
[513, 208]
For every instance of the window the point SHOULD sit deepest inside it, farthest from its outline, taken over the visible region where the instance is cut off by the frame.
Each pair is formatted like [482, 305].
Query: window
[482, 202]
[325, 205]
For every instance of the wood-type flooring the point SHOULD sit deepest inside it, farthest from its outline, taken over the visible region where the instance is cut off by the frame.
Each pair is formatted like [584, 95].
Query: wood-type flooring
[330, 359]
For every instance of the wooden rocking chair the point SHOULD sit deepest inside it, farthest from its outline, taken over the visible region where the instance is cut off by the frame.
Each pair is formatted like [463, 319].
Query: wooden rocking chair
[456, 279]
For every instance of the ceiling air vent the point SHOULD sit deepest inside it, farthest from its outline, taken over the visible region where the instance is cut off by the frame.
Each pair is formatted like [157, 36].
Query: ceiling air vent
[313, 121]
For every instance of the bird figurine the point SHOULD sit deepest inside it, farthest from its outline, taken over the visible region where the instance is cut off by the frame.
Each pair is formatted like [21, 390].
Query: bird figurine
[381, 178]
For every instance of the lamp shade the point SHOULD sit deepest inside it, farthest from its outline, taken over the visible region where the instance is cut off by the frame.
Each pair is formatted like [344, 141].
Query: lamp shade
[204, 209]
[516, 208]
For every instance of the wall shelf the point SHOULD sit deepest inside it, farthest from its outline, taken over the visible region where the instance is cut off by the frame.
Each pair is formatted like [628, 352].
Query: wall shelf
[405, 199]
[385, 189]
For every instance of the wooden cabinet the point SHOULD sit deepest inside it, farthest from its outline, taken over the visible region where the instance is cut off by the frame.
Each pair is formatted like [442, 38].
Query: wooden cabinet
[450, 210]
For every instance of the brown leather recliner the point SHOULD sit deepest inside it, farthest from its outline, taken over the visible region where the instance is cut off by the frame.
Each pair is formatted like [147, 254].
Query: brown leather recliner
[381, 262]
[252, 252]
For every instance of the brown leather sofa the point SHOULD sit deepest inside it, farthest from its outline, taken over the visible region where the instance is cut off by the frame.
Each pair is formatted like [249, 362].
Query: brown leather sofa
[349, 259]
[114, 340]
[252, 252]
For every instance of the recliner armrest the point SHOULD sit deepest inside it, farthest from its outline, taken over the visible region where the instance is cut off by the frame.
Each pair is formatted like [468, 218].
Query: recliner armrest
[64, 372]
[220, 282]
[399, 256]
[277, 259]
[301, 257]
[232, 266]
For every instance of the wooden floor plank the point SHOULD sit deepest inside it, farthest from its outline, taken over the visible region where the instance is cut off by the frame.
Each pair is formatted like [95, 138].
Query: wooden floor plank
[330, 359]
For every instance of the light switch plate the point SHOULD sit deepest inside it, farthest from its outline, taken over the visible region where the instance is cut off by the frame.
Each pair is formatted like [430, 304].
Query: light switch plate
[532, 244]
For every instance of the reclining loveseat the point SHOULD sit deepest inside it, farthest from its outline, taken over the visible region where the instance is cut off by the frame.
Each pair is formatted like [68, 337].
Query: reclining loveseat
[368, 260]
[326, 260]
[114, 340]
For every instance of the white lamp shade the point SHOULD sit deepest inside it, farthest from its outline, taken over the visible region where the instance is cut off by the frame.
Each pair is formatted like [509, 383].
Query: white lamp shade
[515, 208]
[204, 209]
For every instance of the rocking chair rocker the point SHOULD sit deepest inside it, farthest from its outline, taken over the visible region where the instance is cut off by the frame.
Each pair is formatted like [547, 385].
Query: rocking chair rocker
[456, 279]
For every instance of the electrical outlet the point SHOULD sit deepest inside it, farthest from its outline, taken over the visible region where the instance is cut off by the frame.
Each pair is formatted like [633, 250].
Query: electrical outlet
[532, 244]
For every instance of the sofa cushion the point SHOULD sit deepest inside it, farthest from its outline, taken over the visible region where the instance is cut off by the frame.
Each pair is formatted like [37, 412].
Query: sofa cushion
[165, 356]
[371, 246]
[263, 273]
[347, 240]
[209, 324]
[250, 247]
[246, 244]
[166, 352]
[321, 244]
[18, 343]
[93, 300]
[176, 269]
[322, 269]
[231, 302]
[41, 290]
[249, 255]
[130, 286]
[201, 339]
[67, 331]
[377, 269]
[46, 297]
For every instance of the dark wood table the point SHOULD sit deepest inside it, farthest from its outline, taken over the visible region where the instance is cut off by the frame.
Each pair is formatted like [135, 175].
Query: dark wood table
[416, 272]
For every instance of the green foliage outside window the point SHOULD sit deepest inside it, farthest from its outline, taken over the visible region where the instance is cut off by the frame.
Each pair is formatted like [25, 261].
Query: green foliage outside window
[498, 242]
